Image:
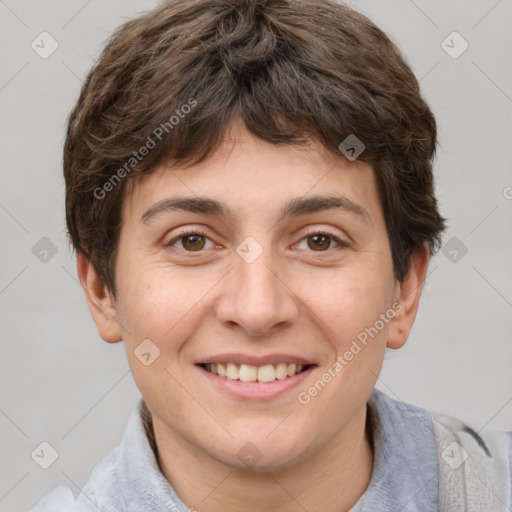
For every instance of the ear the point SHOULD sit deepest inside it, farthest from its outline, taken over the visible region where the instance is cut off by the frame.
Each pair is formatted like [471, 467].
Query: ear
[99, 299]
[408, 295]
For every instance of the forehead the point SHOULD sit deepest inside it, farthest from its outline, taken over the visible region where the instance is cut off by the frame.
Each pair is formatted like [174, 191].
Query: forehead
[251, 178]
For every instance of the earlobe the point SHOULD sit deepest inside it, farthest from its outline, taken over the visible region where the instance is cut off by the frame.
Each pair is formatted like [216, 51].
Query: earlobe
[99, 300]
[408, 297]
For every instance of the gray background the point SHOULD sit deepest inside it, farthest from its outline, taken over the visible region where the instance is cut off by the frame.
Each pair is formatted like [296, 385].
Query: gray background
[62, 384]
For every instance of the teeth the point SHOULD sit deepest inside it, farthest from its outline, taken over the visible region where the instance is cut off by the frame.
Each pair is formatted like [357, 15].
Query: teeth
[249, 373]
[266, 373]
[232, 371]
[281, 371]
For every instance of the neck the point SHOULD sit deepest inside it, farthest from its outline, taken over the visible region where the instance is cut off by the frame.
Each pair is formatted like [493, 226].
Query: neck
[331, 480]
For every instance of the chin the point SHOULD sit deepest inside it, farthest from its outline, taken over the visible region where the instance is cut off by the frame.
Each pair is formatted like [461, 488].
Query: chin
[260, 455]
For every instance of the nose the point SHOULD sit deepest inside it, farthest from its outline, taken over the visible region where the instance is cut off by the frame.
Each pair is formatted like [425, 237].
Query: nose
[257, 298]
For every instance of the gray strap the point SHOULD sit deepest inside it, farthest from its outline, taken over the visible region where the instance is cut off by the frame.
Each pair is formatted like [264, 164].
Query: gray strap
[473, 468]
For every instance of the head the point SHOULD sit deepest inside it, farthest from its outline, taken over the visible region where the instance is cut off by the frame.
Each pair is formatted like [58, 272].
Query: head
[218, 211]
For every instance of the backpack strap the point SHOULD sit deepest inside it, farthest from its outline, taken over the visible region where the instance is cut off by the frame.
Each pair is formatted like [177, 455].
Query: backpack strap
[474, 471]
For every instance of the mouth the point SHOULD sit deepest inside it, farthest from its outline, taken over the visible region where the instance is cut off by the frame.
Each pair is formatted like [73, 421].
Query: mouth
[252, 373]
[262, 377]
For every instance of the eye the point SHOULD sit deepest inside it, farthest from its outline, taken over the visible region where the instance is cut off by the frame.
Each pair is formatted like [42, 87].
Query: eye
[195, 240]
[191, 241]
[319, 241]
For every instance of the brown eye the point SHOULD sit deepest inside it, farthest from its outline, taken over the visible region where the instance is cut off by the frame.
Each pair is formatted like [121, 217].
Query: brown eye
[319, 242]
[194, 242]
[190, 241]
[322, 241]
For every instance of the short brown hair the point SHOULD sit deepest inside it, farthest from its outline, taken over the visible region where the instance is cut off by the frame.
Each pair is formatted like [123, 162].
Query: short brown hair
[289, 70]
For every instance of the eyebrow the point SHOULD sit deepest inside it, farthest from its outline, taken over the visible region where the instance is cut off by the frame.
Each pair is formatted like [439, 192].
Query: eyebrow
[295, 207]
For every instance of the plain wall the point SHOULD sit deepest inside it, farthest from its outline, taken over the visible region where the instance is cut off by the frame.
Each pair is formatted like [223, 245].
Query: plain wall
[62, 384]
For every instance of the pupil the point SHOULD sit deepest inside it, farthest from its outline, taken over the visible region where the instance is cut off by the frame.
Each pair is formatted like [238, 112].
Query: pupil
[195, 241]
[318, 239]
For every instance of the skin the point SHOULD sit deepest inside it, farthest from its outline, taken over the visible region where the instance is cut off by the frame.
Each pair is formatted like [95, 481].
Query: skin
[294, 298]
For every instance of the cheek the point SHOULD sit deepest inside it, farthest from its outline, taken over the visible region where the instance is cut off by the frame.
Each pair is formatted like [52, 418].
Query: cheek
[158, 318]
[152, 310]
[160, 304]
[145, 299]
[348, 303]
[349, 310]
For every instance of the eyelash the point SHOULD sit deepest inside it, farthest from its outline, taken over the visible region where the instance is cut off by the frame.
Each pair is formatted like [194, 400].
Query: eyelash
[184, 234]
[197, 231]
[341, 243]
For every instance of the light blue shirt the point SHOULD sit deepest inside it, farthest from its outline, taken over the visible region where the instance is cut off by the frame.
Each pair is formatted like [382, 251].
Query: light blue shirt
[404, 477]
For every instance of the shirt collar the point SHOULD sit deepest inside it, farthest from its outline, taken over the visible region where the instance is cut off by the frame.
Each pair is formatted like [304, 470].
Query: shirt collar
[143, 485]
[404, 475]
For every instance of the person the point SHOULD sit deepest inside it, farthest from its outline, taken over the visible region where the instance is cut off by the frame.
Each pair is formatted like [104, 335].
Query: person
[249, 191]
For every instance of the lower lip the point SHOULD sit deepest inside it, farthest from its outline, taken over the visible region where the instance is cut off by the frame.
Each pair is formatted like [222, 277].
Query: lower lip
[257, 390]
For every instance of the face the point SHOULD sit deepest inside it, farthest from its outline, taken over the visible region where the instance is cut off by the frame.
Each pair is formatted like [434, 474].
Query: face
[262, 283]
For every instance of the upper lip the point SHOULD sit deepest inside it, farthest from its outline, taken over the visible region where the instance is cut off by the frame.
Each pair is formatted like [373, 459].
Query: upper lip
[255, 360]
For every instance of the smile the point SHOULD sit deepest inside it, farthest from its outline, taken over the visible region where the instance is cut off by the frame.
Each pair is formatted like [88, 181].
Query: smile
[251, 373]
